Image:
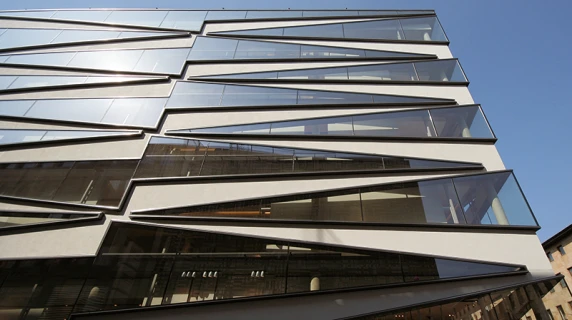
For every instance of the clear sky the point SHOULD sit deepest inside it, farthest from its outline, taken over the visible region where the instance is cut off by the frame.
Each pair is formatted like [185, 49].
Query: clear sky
[517, 55]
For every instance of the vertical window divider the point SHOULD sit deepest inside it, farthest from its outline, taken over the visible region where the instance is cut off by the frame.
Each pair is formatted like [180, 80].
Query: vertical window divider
[459, 199]
[432, 122]
[353, 127]
[204, 159]
[415, 70]
[165, 17]
[361, 206]
[30, 108]
[11, 83]
[286, 269]
[54, 38]
[401, 29]
[74, 55]
[233, 54]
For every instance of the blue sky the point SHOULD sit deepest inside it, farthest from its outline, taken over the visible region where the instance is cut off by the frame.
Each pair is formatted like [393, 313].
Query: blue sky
[518, 57]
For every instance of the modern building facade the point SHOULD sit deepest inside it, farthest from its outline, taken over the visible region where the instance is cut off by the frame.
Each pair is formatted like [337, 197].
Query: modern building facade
[253, 164]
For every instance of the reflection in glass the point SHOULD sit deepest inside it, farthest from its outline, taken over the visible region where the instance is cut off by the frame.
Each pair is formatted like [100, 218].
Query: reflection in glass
[206, 48]
[526, 301]
[185, 157]
[436, 202]
[140, 266]
[426, 29]
[18, 136]
[160, 61]
[451, 122]
[100, 183]
[427, 71]
[24, 81]
[198, 94]
[136, 112]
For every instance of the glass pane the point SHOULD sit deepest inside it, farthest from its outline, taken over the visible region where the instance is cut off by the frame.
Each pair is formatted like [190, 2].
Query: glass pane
[82, 15]
[328, 207]
[11, 219]
[167, 61]
[457, 269]
[425, 29]
[257, 96]
[85, 35]
[332, 13]
[316, 31]
[185, 20]
[14, 38]
[440, 70]
[43, 81]
[379, 29]
[75, 134]
[316, 52]
[376, 12]
[394, 124]
[500, 200]
[195, 94]
[120, 60]
[463, 122]
[331, 97]
[137, 112]
[15, 108]
[139, 17]
[60, 59]
[255, 14]
[33, 180]
[96, 182]
[316, 161]
[86, 110]
[167, 157]
[225, 15]
[389, 72]
[257, 32]
[5, 81]
[212, 49]
[18, 136]
[331, 126]
[315, 74]
[414, 203]
[262, 128]
[28, 14]
[266, 50]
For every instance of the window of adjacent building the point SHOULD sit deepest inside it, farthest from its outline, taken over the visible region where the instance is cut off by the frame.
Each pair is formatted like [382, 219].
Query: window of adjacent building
[570, 270]
[561, 250]
[550, 257]
[550, 314]
[563, 283]
[561, 312]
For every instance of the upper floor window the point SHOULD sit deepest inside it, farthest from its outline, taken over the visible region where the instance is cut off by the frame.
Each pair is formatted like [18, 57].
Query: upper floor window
[561, 250]
[550, 257]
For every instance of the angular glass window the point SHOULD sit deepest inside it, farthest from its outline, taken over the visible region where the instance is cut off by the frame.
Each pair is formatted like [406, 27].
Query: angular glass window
[82, 15]
[21, 82]
[29, 14]
[207, 49]
[493, 199]
[333, 13]
[424, 29]
[11, 220]
[394, 124]
[130, 112]
[273, 14]
[214, 15]
[201, 266]
[22, 136]
[22, 38]
[436, 202]
[197, 94]
[427, 71]
[157, 61]
[100, 183]
[184, 20]
[137, 17]
[440, 70]
[192, 157]
[461, 122]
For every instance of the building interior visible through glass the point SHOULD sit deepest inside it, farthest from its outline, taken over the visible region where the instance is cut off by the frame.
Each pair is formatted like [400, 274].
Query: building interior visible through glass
[487, 199]
[140, 266]
[451, 122]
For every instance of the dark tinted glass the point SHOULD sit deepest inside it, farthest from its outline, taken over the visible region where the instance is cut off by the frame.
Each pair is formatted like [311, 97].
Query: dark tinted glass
[337, 126]
[16, 219]
[95, 182]
[390, 72]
